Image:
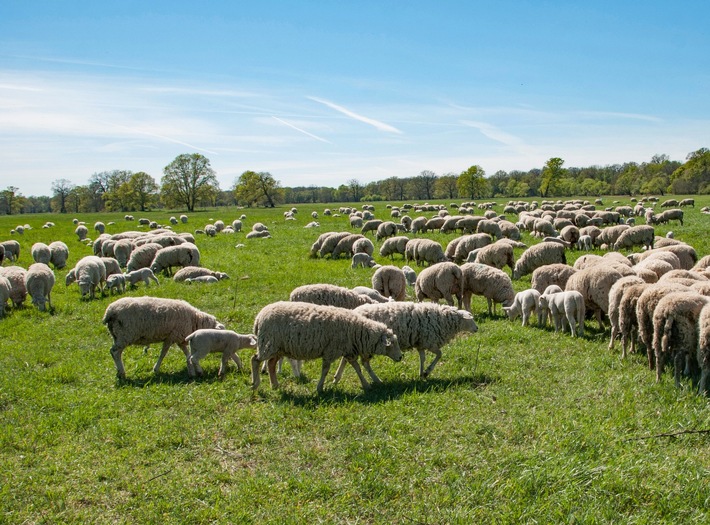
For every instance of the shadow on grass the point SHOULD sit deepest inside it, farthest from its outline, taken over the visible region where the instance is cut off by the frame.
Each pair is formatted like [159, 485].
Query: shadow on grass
[171, 378]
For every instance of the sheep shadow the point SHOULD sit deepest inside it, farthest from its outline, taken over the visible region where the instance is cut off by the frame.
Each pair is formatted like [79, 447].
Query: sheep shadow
[161, 378]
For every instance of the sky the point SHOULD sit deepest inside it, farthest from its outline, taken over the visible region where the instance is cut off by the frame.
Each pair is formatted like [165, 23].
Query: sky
[323, 92]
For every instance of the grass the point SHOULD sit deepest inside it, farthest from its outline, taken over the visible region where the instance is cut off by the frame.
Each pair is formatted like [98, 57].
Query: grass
[515, 424]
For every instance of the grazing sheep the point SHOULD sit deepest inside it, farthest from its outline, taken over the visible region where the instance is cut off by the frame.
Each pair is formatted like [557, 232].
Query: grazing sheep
[143, 256]
[329, 242]
[373, 294]
[328, 295]
[363, 245]
[90, 273]
[703, 349]
[147, 320]
[304, 331]
[142, 274]
[491, 283]
[371, 226]
[616, 293]
[439, 281]
[39, 281]
[424, 251]
[627, 320]
[210, 340]
[111, 265]
[122, 251]
[116, 283]
[497, 255]
[424, 326]
[59, 253]
[394, 245]
[669, 203]
[539, 255]
[687, 202]
[99, 227]
[345, 245]
[557, 273]
[16, 277]
[468, 243]
[610, 235]
[165, 259]
[682, 274]
[570, 234]
[565, 308]
[390, 281]
[5, 291]
[41, 253]
[12, 250]
[418, 225]
[666, 216]
[524, 303]
[385, 230]
[410, 275]
[654, 264]
[190, 272]
[362, 260]
[594, 284]
[490, 227]
[636, 236]
[81, 232]
[210, 230]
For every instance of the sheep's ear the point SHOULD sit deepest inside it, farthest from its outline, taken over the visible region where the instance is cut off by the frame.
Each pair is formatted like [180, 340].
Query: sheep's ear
[386, 340]
[506, 309]
[252, 340]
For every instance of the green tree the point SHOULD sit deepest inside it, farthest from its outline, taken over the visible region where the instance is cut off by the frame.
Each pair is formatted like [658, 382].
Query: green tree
[258, 188]
[551, 175]
[187, 180]
[472, 183]
[694, 175]
[356, 188]
[10, 200]
[61, 189]
[423, 185]
[445, 186]
[139, 192]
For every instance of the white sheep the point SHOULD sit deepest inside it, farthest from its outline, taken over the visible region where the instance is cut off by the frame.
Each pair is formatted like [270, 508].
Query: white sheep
[440, 281]
[39, 281]
[544, 276]
[566, 308]
[59, 253]
[142, 274]
[207, 279]
[210, 340]
[111, 265]
[362, 260]
[5, 291]
[328, 295]
[116, 283]
[424, 251]
[345, 245]
[703, 349]
[627, 320]
[41, 253]
[524, 303]
[539, 255]
[390, 281]
[99, 227]
[142, 256]
[543, 309]
[16, 276]
[497, 255]
[636, 236]
[122, 251]
[373, 294]
[304, 331]
[616, 294]
[410, 275]
[394, 245]
[585, 242]
[190, 272]
[491, 283]
[12, 250]
[468, 243]
[90, 273]
[146, 320]
[81, 232]
[165, 259]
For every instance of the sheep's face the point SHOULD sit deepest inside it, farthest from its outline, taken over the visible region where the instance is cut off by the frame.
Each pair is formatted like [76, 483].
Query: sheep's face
[389, 346]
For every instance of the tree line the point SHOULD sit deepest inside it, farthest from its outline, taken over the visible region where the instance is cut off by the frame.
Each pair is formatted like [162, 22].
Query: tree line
[189, 182]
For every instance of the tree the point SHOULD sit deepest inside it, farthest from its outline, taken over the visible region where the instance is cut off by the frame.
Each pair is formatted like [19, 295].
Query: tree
[471, 183]
[10, 198]
[108, 187]
[694, 175]
[258, 188]
[61, 189]
[187, 179]
[551, 174]
[355, 190]
[139, 192]
[445, 186]
[423, 185]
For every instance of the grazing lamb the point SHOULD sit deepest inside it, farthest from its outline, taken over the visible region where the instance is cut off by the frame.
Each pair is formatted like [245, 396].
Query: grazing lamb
[190, 272]
[210, 340]
[143, 274]
[81, 232]
[491, 283]
[147, 320]
[362, 260]
[41, 253]
[557, 273]
[439, 281]
[390, 281]
[59, 254]
[39, 281]
[116, 283]
[16, 277]
[525, 303]
[305, 331]
[328, 295]
[539, 255]
[566, 308]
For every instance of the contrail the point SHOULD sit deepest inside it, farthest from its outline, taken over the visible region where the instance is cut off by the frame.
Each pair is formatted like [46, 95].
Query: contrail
[163, 137]
[301, 130]
[372, 122]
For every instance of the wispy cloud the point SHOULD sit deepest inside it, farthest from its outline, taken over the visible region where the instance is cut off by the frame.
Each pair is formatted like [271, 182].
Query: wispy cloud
[497, 134]
[367, 120]
[162, 137]
[617, 115]
[301, 130]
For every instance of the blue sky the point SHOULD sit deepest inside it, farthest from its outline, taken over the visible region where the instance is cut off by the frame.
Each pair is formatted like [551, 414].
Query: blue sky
[321, 92]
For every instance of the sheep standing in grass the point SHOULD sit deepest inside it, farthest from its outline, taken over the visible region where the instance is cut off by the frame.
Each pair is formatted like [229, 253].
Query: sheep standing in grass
[703, 349]
[116, 283]
[99, 227]
[89, 273]
[491, 283]
[539, 255]
[59, 253]
[41, 253]
[111, 265]
[142, 256]
[686, 255]
[143, 274]
[524, 304]
[394, 245]
[329, 242]
[410, 275]
[362, 260]
[636, 236]
[497, 255]
[628, 322]
[566, 308]
[304, 331]
[147, 320]
[363, 245]
[390, 281]
[5, 291]
[427, 251]
[345, 246]
[328, 295]
[616, 293]
[594, 284]
[182, 255]
[210, 340]
[81, 232]
[122, 251]
[16, 276]
[557, 273]
[424, 326]
[439, 281]
[12, 250]
[39, 281]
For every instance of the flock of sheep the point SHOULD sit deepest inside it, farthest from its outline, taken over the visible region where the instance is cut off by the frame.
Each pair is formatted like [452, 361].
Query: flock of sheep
[657, 296]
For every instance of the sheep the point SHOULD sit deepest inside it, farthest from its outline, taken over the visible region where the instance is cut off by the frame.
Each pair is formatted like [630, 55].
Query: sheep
[610, 235]
[90, 273]
[615, 296]
[329, 242]
[434, 223]
[81, 232]
[390, 281]
[147, 320]
[122, 251]
[394, 245]
[627, 319]
[182, 255]
[41, 253]
[594, 284]
[316, 246]
[210, 340]
[111, 265]
[386, 229]
[544, 309]
[426, 251]
[363, 245]
[557, 273]
[703, 349]
[328, 295]
[305, 331]
[372, 294]
[675, 331]
[497, 255]
[509, 230]
[99, 227]
[16, 277]
[669, 203]
[539, 255]
[524, 303]
[206, 279]
[116, 283]
[418, 225]
[345, 245]
[570, 234]
[190, 272]
[666, 216]
[371, 226]
[654, 264]
[468, 243]
[59, 253]
[39, 281]
[424, 326]
[566, 308]
[143, 256]
[410, 275]
[543, 228]
[469, 225]
[355, 221]
[642, 235]
[143, 274]
[439, 281]
[5, 291]
[362, 260]
[492, 283]
[684, 253]
[12, 250]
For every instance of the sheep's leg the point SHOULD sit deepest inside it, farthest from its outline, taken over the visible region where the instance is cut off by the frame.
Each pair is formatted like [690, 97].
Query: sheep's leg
[186, 350]
[572, 321]
[490, 307]
[116, 352]
[703, 385]
[437, 356]
[195, 362]
[353, 361]
[467, 301]
[341, 369]
[678, 363]
[325, 368]
[234, 356]
[163, 353]
[448, 298]
[255, 375]
[272, 373]
[580, 321]
[295, 366]
[366, 364]
[422, 358]
[599, 314]
[614, 335]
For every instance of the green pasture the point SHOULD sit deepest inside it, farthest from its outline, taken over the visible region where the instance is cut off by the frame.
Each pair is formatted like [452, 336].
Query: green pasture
[515, 425]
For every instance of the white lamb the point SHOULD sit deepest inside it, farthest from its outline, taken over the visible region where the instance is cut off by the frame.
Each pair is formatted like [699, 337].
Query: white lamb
[362, 260]
[143, 274]
[116, 283]
[525, 303]
[209, 340]
[566, 308]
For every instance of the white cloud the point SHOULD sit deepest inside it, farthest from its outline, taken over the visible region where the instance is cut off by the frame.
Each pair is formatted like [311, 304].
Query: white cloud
[367, 120]
[301, 130]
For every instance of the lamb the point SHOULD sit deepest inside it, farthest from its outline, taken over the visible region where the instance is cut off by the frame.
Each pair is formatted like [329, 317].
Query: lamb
[210, 340]
[142, 274]
[373, 294]
[81, 232]
[616, 293]
[59, 253]
[390, 281]
[263, 234]
[116, 283]
[544, 309]
[362, 260]
[147, 320]
[497, 255]
[12, 250]
[557, 273]
[675, 331]
[39, 281]
[394, 245]
[89, 273]
[328, 295]
[304, 331]
[410, 275]
[439, 281]
[594, 284]
[16, 276]
[424, 326]
[539, 255]
[492, 283]
[41, 253]
[5, 291]
[111, 265]
[524, 303]
[143, 256]
[636, 236]
[566, 308]
[206, 279]
[182, 255]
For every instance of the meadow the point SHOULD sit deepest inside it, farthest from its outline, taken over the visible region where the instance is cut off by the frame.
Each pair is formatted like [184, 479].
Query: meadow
[514, 425]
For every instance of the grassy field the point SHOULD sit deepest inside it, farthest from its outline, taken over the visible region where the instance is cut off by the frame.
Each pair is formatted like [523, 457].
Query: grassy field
[515, 424]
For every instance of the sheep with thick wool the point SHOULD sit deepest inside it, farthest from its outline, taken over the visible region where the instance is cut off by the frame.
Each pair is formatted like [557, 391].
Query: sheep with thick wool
[394, 245]
[142, 256]
[390, 281]
[439, 281]
[5, 291]
[491, 283]
[329, 242]
[328, 295]
[566, 309]
[373, 294]
[557, 273]
[642, 235]
[16, 277]
[147, 320]
[468, 243]
[122, 251]
[59, 253]
[39, 281]
[211, 340]
[345, 246]
[497, 255]
[610, 235]
[703, 349]
[12, 250]
[594, 284]
[89, 273]
[627, 319]
[306, 331]
[41, 253]
[165, 259]
[524, 304]
[616, 293]
[686, 254]
[538, 255]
